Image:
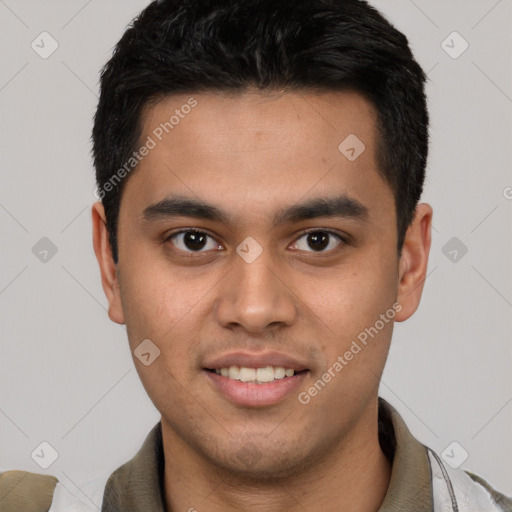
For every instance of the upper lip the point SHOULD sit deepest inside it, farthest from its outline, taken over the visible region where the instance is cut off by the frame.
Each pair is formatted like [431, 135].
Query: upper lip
[255, 360]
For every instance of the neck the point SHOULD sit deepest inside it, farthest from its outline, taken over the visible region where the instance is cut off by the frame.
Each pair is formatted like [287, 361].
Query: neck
[354, 477]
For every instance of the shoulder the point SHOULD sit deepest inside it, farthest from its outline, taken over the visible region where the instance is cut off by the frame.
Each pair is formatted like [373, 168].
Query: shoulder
[30, 492]
[33, 492]
[456, 489]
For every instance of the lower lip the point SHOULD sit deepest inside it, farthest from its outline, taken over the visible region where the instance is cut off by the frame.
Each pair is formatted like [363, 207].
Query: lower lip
[255, 395]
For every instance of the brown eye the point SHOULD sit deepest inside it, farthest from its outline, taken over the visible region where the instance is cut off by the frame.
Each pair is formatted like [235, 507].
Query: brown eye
[193, 241]
[318, 241]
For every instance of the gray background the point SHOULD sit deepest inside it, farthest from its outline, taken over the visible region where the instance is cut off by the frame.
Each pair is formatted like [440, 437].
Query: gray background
[66, 373]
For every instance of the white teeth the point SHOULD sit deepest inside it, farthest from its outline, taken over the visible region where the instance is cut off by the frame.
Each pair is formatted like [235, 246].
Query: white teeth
[233, 372]
[247, 374]
[255, 375]
[265, 374]
[279, 372]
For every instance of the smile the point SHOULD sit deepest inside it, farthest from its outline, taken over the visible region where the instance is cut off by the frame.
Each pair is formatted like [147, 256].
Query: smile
[255, 387]
[255, 375]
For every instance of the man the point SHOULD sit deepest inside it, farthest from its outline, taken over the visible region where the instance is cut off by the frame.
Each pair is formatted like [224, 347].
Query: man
[259, 168]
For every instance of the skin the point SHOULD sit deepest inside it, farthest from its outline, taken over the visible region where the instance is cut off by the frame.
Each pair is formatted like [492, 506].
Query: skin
[251, 155]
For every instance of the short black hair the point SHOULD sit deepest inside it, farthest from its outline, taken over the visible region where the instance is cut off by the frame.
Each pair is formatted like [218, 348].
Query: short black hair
[177, 46]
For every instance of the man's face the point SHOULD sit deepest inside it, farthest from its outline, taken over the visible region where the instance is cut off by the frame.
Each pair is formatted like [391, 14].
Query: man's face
[258, 287]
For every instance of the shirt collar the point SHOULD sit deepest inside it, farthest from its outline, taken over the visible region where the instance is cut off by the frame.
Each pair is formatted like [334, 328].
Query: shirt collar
[410, 486]
[138, 484]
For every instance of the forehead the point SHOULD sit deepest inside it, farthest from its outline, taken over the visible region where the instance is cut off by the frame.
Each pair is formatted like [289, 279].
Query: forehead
[251, 118]
[259, 149]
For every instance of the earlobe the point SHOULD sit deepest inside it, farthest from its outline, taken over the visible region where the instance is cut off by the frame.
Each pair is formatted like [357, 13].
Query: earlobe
[414, 261]
[108, 269]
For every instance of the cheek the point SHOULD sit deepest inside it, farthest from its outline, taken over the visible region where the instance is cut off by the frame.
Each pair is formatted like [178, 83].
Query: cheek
[348, 301]
[168, 308]
[156, 297]
[355, 337]
[163, 309]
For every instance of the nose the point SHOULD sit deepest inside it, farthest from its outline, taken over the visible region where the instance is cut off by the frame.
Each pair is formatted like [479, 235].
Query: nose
[255, 296]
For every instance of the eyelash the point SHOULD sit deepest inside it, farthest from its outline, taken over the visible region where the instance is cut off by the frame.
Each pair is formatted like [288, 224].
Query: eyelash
[334, 234]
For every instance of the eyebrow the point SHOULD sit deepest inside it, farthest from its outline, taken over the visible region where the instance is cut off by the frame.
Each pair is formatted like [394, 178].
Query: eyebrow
[341, 206]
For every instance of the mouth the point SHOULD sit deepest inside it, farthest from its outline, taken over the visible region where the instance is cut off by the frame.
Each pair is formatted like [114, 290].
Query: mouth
[264, 375]
[255, 379]
[248, 387]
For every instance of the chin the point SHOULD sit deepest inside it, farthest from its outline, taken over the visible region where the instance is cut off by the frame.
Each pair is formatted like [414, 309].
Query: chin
[254, 463]
[264, 471]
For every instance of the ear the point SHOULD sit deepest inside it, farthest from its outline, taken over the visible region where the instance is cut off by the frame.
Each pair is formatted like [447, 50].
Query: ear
[108, 268]
[413, 262]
